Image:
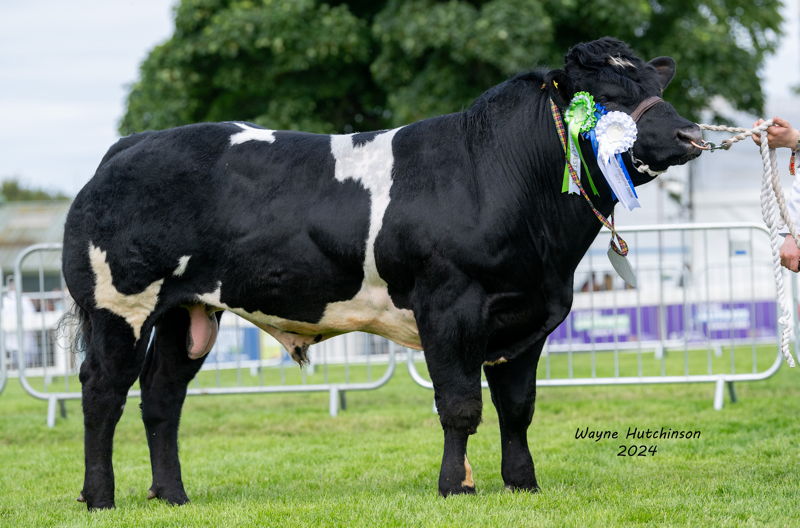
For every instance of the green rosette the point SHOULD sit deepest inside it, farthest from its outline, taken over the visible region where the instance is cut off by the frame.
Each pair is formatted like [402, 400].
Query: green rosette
[580, 117]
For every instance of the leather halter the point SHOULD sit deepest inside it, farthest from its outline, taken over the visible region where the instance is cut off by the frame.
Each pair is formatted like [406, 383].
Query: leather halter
[644, 106]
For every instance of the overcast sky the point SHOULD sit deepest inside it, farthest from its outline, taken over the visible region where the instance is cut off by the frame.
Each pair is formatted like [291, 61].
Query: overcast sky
[65, 66]
[64, 69]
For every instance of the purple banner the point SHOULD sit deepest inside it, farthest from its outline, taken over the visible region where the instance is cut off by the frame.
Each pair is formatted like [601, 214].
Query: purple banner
[701, 322]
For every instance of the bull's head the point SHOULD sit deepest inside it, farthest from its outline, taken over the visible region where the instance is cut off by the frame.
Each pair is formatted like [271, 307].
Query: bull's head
[608, 69]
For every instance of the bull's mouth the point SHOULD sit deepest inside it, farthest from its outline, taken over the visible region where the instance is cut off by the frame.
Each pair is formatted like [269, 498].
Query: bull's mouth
[656, 169]
[694, 151]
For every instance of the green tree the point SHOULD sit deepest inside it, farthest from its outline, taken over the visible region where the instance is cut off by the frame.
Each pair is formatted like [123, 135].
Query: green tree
[12, 191]
[338, 66]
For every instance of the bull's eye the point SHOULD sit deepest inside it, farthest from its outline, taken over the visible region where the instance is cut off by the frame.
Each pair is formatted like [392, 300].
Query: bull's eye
[610, 105]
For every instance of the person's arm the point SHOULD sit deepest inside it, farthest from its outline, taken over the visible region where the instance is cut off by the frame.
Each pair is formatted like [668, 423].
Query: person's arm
[783, 134]
[790, 254]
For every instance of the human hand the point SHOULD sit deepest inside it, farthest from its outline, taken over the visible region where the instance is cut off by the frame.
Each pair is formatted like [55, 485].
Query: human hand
[780, 134]
[790, 254]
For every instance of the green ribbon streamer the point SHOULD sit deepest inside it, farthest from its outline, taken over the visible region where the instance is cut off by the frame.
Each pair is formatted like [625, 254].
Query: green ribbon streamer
[580, 118]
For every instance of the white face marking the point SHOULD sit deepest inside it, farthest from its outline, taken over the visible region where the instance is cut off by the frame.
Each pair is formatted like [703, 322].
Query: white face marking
[133, 308]
[252, 134]
[182, 263]
[620, 62]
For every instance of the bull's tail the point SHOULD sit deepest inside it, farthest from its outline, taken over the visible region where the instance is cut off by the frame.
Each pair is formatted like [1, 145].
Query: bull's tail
[76, 325]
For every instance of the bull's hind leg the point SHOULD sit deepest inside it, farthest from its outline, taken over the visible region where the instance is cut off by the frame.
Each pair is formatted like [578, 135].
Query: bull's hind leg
[513, 387]
[167, 371]
[113, 361]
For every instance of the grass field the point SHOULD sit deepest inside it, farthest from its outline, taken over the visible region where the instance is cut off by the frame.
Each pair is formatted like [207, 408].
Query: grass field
[279, 460]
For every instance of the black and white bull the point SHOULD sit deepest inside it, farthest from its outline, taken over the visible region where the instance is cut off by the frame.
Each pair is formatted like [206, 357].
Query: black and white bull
[450, 234]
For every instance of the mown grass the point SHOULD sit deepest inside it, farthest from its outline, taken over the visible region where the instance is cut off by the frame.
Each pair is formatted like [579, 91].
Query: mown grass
[279, 460]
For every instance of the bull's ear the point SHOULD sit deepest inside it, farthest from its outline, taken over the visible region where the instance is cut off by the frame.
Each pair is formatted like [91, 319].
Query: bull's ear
[665, 68]
[559, 86]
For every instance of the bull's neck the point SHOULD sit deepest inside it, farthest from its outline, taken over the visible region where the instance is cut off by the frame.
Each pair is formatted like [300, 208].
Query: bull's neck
[519, 162]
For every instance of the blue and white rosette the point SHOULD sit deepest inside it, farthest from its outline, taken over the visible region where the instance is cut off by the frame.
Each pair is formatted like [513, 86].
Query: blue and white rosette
[614, 134]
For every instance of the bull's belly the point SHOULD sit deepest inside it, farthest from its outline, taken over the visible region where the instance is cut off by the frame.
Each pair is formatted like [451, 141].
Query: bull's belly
[371, 310]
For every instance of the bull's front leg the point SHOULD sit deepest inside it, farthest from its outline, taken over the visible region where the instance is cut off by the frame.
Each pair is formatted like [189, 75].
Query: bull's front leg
[453, 353]
[458, 401]
[513, 387]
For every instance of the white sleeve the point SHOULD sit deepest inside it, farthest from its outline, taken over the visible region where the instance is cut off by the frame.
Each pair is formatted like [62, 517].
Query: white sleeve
[793, 205]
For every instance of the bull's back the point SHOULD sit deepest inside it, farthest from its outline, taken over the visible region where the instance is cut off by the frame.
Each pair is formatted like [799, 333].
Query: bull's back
[259, 211]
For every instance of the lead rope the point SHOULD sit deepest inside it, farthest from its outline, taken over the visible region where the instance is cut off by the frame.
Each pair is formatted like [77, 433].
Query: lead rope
[773, 209]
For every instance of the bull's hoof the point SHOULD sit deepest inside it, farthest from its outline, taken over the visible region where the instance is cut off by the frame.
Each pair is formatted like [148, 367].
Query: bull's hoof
[523, 488]
[93, 505]
[100, 506]
[172, 497]
[460, 490]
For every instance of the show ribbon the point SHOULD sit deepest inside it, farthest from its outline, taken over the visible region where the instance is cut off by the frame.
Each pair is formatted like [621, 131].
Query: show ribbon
[580, 118]
[614, 134]
[618, 245]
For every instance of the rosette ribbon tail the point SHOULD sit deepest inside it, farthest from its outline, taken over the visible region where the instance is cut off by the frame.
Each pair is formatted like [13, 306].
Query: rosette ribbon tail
[621, 163]
[577, 157]
[618, 182]
[574, 158]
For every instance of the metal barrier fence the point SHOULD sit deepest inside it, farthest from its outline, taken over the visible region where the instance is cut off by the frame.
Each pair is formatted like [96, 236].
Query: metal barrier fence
[704, 311]
[244, 360]
[3, 359]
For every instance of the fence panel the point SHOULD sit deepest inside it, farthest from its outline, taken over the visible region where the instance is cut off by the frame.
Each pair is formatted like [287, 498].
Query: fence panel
[704, 311]
[4, 320]
[244, 359]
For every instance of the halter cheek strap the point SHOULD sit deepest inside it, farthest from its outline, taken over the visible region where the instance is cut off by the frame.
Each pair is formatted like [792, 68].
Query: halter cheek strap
[644, 106]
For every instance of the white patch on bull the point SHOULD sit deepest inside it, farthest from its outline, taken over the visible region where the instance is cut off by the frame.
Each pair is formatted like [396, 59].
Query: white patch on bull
[468, 482]
[182, 263]
[371, 309]
[347, 316]
[134, 308]
[296, 344]
[371, 165]
[620, 62]
[498, 361]
[249, 133]
[369, 312]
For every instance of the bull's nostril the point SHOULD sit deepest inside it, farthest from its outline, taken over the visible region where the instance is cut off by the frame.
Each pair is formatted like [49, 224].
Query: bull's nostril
[690, 135]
